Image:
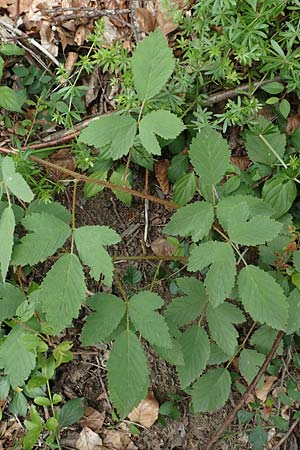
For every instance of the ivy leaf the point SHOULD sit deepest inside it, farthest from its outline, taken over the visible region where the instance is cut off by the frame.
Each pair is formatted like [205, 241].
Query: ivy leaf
[184, 310]
[14, 181]
[152, 325]
[216, 381]
[250, 361]
[128, 377]
[220, 278]
[7, 228]
[263, 297]
[195, 347]
[210, 156]
[47, 235]
[184, 189]
[293, 325]
[220, 321]
[10, 298]
[164, 124]
[263, 338]
[61, 292]
[89, 242]
[193, 220]
[118, 132]
[279, 193]
[152, 65]
[109, 311]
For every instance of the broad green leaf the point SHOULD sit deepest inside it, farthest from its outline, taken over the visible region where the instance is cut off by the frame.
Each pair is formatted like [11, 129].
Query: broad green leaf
[220, 278]
[152, 65]
[217, 356]
[195, 347]
[34, 427]
[47, 235]
[279, 193]
[184, 310]
[90, 189]
[296, 260]
[284, 108]
[256, 231]
[184, 189]
[161, 123]
[15, 359]
[118, 177]
[210, 156]
[10, 298]
[54, 209]
[173, 355]
[250, 361]
[109, 311]
[211, 391]
[263, 339]
[7, 228]
[128, 377]
[71, 412]
[293, 324]
[273, 88]
[10, 99]
[258, 438]
[220, 321]
[17, 210]
[62, 292]
[9, 49]
[15, 182]
[18, 405]
[178, 168]
[152, 326]
[269, 253]
[117, 132]
[89, 241]
[263, 297]
[141, 157]
[193, 220]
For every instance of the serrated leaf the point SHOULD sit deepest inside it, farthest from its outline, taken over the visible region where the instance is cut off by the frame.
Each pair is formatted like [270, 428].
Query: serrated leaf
[89, 242]
[62, 292]
[193, 220]
[184, 310]
[217, 356]
[152, 65]
[216, 382]
[258, 438]
[179, 167]
[250, 361]
[128, 377]
[259, 151]
[53, 208]
[296, 260]
[279, 193]
[118, 132]
[210, 156]
[220, 278]
[17, 210]
[121, 177]
[47, 235]
[220, 321]
[263, 339]
[109, 311]
[184, 189]
[90, 189]
[263, 297]
[161, 123]
[152, 325]
[269, 253]
[195, 347]
[10, 99]
[293, 324]
[10, 298]
[256, 231]
[7, 228]
[15, 182]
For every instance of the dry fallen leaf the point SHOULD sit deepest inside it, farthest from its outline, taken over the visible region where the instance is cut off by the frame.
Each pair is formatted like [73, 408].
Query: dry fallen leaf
[92, 419]
[242, 162]
[263, 392]
[162, 247]
[292, 124]
[161, 173]
[146, 413]
[117, 440]
[89, 440]
[47, 38]
[147, 22]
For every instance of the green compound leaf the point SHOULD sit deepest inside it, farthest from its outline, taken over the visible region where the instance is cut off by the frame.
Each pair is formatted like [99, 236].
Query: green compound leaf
[184, 189]
[220, 278]
[279, 193]
[48, 234]
[193, 220]
[128, 375]
[211, 391]
[250, 361]
[152, 325]
[7, 228]
[16, 360]
[196, 349]
[62, 292]
[14, 181]
[263, 297]
[117, 132]
[210, 156]
[10, 298]
[109, 311]
[220, 321]
[53, 208]
[255, 231]
[152, 65]
[293, 324]
[184, 310]
[89, 242]
[161, 123]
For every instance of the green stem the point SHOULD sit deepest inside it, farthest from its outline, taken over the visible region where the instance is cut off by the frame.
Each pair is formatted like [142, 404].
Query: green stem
[272, 150]
[53, 412]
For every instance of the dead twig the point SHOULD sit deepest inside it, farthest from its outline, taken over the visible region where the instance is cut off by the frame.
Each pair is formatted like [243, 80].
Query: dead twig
[87, 13]
[286, 436]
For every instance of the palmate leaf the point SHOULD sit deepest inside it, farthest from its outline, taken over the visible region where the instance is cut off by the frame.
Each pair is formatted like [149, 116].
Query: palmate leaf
[152, 65]
[210, 156]
[118, 132]
[7, 227]
[109, 311]
[211, 391]
[220, 278]
[14, 181]
[250, 361]
[62, 292]
[48, 234]
[89, 242]
[152, 325]
[263, 297]
[193, 220]
[10, 298]
[195, 347]
[161, 123]
[128, 375]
